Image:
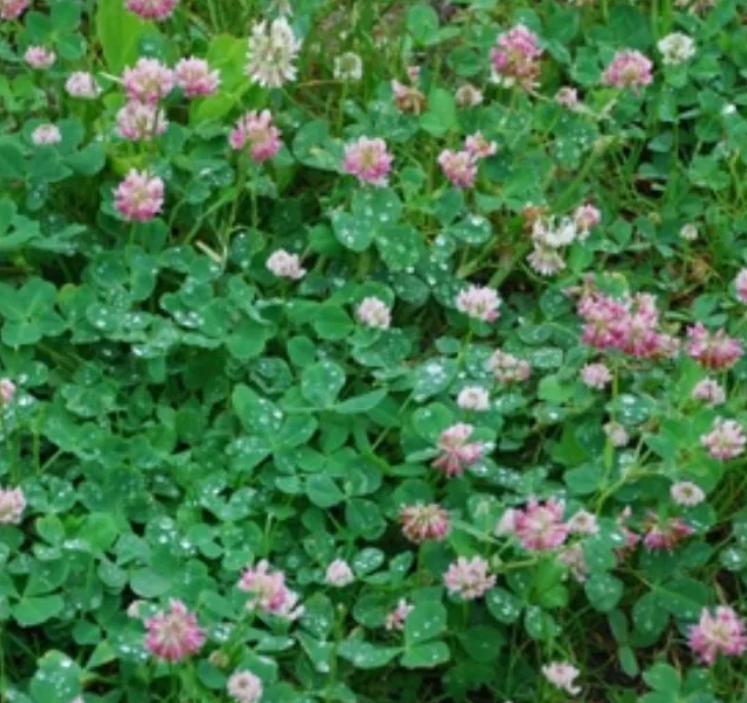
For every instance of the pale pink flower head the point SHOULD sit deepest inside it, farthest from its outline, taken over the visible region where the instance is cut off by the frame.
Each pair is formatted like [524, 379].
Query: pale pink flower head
[689, 232]
[12, 505]
[174, 634]
[157, 10]
[479, 303]
[13, 9]
[374, 313]
[616, 433]
[567, 97]
[516, 56]
[460, 167]
[339, 574]
[596, 376]
[256, 131]
[740, 284]
[7, 391]
[139, 197]
[508, 368]
[726, 440]
[39, 58]
[469, 578]
[83, 85]
[562, 675]
[709, 391]
[545, 260]
[468, 95]
[395, 619]
[572, 556]
[631, 538]
[285, 265]
[540, 526]
[664, 534]
[474, 398]
[479, 147]
[140, 122]
[244, 687]
[368, 160]
[134, 609]
[269, 592]
[713, 350]
[583, 523]
[721, 633]
[148, 81]
[424, 523]
[195, 78]
[456, 452]
[506, 525]
[629, 69]
[687, 494]
[585, 217]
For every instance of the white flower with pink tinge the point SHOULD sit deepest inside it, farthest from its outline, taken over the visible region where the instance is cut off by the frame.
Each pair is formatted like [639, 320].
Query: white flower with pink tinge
[629, 69]
[174, 634]
[39, 58]
[12, 505]
[256, 132]
[148, 81]
[195, 78]
[138, 121]
[585, 217]
[7, 390]
[562, 675]
[158, 10]
[456, 452]
[616, 434]
[46, 135]
[468, 95]
[469, 578]
[709, 391]
[540, 526]
[244, 687]
[687, 494]
[460, 167]
[740, 284]
[13, 9]
[722, 633]
[82, 85]
[479, 303]
[596, 376]
[508, 368]
[479, 147]
[139, 197]
[726, 440]
[583, 523]
[339, 574]
[395, 619]
[285, 265]
[474, 398]
[421, 523]
[269, 592]
[374, 313]
[368, 160]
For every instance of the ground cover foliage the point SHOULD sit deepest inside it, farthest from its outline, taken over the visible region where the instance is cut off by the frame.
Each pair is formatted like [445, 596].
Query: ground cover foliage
[372, 351]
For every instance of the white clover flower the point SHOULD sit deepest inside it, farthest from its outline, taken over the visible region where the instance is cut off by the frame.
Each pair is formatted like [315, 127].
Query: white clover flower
[272, 51]
[676, 48]
[348, 67]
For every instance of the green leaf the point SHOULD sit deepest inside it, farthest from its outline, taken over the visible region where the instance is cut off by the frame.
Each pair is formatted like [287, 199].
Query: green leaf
[322, 382]
[663, 678]
[360, 403]
[441, 115]
[332, 322]
[57, 680]
[352, 232]
[363, 655]
[483, 643]
[649, 615]
[425, 622]
[603, 591]
[148, 584]
[31, 612]
[422, 23]
[12, 164]
[119, 33]
[248, 340]
[323, 492]
[503, 605]
[426, 656]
